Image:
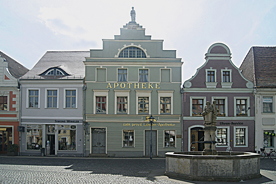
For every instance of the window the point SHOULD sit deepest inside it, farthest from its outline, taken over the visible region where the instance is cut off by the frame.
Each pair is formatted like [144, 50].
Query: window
[169, 138]
[268, 138]
[241, 107]
[33, 98]
[128, 138]
[267, 104]
[34, 136]
[122, 105]
[101, 104]
[165, 105]
[122, 75]
[240, 136]
[210, 76]
[220, 103]
[226, 76]
[70, 99]
[197, 107]
[3, 103]
[222, 137]
[51, 98]
[143, 105]
[66, 137]
[52, 72]
[143, 75]
[132, 52]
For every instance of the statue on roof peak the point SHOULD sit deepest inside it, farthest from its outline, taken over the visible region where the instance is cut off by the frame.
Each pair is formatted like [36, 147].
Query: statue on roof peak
[132, 14]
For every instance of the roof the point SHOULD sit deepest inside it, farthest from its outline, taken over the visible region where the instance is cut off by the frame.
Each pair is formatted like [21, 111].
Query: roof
[259, 66]
[69, 61]
[16, 69]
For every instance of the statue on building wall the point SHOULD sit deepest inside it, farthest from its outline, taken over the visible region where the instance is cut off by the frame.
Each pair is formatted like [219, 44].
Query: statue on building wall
[132, 14]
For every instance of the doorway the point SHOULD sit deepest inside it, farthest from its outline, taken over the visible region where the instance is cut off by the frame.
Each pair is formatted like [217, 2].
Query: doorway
[197, 138]
[98, 140]
[5, 139]
[51, 145]
[148, 141]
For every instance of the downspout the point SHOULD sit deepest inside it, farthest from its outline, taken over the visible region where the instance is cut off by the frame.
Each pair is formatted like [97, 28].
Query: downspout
[19, 115]
[181, 125]
[84, 118]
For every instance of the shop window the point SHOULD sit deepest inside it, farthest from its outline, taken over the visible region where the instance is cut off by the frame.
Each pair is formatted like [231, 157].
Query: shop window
[33, 98]
[66, 137]
[101, 104]
[268, 138]
[165, 105]
[128, 138]
[241, 107]
[143, 105]
[197, 107]
[34, 137]
[51, 98]
[267, 104]
[222, 136]
[169, 138]
[220, 103]
[240, 136]
[132, 52]
[3, 103]
[122, 75]
[122, 105]
[70, 97]
[143, 75]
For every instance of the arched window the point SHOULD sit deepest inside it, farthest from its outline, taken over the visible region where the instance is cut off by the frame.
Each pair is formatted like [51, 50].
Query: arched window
[54, 72]
[132, 52]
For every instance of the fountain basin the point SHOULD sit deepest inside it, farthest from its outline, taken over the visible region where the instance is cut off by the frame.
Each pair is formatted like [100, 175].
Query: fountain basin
[224, 166]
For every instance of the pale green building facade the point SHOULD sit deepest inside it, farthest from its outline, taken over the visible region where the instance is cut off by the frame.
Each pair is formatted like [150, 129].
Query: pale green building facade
[131, 78]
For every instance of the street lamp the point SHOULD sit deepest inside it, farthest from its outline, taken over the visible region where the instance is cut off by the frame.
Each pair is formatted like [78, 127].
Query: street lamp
[151, 119]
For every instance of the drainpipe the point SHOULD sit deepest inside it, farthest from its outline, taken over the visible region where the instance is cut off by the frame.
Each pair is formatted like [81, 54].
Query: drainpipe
[84, 118]
[181, 122]
[19, 115]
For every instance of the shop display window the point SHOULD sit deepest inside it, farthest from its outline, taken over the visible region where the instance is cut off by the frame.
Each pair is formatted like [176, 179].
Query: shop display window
[222, 137]
[268, 138]
[169, 138]
[34, 137]
[128, 138]
[66, 137]
[240, 134]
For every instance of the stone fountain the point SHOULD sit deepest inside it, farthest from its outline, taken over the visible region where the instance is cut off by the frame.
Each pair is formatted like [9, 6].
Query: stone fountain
[209, 164]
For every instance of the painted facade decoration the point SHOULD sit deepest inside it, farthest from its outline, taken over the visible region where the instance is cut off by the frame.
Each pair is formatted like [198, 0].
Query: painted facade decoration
[52, 105]
[131, 78]
[10, 70]
[259, 66]
[219, 80]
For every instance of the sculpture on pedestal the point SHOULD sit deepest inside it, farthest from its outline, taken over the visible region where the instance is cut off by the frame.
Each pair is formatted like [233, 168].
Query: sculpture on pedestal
[210, 125]
[132, 14]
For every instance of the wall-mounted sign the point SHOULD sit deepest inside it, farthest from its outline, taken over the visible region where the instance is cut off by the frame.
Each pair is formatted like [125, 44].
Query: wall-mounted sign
[67, 121]
[231, 123]
[133, 85]
[148, 124]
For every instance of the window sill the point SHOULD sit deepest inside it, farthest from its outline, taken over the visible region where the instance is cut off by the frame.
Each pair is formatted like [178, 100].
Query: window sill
[226, 84]
[211, 84]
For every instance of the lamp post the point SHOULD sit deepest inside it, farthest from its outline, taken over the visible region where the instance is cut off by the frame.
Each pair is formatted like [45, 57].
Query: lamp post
[151, 119]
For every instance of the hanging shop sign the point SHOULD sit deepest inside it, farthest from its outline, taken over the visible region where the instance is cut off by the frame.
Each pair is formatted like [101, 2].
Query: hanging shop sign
[133, 85]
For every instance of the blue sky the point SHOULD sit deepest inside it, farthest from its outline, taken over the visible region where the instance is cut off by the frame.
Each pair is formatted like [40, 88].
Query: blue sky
[30, 28]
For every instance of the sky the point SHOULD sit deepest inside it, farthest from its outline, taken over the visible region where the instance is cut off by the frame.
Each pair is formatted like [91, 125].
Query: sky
[30, 28]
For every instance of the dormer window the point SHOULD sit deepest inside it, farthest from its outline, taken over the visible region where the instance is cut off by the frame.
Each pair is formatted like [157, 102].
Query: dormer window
[54, 72]
[132, 52]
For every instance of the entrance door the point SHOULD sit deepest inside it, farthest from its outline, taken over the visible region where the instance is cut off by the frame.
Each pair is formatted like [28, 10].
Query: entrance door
[154, 143]
[197, 135]
[51, 145]
[5, 139]
[98, 140]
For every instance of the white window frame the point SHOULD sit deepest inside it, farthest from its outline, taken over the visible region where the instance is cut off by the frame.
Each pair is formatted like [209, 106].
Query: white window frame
[246, 136]
[103, 93]
[118, 74]
[27, 99]
[121, 93]
[123, 139]
[165, 94]
[226, 103]
[228, 137]
[148, 74]
[144, 93]
[248, 105]
[211, 70]
[272, 104]
[46, 98]
[8, 100]
[64, 98]
[164, 135]
[191, 103]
